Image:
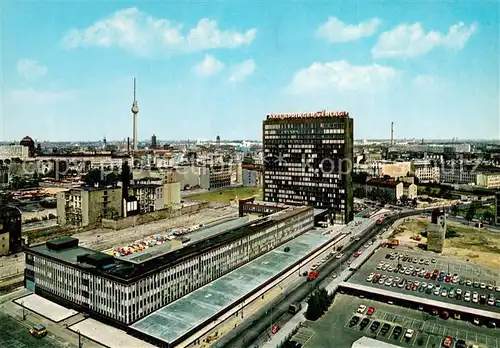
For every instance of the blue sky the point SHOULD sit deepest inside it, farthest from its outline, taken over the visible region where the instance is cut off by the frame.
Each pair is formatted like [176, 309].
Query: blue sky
[211, 68]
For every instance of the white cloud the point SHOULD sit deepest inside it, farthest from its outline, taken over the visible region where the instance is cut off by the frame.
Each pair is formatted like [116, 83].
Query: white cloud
[208, 66]
[406, 41]
[30, 69]
[242, 71]
[341, 76]
[137, 32]
[334, 30]
[32, 96]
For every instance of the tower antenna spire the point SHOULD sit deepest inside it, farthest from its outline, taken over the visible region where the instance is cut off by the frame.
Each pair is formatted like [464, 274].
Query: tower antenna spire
[134, 91]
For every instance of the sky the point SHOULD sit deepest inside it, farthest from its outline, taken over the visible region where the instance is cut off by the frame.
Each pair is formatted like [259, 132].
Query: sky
[217, 68]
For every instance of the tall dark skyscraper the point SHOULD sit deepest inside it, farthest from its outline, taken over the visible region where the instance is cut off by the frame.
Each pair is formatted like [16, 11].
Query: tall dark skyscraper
[153, 142]
[308, 158]
[217, 141]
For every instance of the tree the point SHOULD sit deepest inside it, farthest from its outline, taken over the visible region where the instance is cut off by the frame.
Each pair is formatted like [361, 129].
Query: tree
[488, 216]
[454, 210]
[93, 178]
[471, 212]
[313, 308]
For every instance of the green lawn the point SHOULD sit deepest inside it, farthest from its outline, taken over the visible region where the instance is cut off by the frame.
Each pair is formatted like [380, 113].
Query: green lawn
[229, 194]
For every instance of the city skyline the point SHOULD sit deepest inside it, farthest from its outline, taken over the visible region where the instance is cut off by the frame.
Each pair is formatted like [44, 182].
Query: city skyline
[201, 68]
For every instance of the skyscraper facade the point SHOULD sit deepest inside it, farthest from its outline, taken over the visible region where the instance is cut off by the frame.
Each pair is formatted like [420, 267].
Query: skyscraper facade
[308, 159]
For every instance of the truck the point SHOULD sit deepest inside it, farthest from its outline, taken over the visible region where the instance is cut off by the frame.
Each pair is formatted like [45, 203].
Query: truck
[312, 275]
[294, 308]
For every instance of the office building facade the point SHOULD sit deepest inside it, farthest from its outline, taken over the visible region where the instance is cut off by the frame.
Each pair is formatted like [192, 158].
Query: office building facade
[124, 290]
[308, 158]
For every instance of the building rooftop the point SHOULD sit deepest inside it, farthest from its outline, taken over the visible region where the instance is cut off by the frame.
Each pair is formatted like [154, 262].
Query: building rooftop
[382, 183]
[302, 115]
[68, 254]
[183, 317]
[140, 186]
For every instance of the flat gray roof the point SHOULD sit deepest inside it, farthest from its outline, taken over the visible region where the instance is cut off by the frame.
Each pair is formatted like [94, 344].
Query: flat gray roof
[416, 299]
[178, 318]
[200, 234]
[68, 255]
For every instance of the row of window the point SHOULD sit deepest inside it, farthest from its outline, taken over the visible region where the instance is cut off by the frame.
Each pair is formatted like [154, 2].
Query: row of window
[130, 303]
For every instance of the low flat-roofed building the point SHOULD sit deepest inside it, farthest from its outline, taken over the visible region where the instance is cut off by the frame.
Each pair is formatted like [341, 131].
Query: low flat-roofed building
[392, 190]
[488, 180]
[410, 190]
[125, 290]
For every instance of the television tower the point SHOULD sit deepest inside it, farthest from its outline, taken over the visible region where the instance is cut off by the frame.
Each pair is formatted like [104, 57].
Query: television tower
[135, 111]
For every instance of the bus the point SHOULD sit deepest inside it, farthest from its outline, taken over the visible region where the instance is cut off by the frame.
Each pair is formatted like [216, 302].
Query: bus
[38, 331]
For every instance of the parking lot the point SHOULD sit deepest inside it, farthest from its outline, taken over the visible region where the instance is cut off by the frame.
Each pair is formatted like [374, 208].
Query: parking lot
[465, 271]
[333, 329]
[427, 333]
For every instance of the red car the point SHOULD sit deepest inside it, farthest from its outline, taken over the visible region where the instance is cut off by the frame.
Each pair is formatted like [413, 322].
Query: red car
[448, 341]
[447, 279]
[427, 275]
[370, 311]
[275, 329]
[357, 254]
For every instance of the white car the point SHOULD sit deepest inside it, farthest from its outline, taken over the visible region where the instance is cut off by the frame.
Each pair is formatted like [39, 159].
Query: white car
[475, 297]
[409, 333]
[444, 293]
[482, 286]
[361, 309]
[497, 288]
[491, 301]
[467, 297]
[339, 256]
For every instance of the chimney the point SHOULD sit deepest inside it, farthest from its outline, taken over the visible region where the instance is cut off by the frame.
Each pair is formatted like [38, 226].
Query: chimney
[392, 133]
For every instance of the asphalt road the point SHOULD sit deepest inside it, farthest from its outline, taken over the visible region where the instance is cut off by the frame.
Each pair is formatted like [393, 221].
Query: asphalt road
[253, 327]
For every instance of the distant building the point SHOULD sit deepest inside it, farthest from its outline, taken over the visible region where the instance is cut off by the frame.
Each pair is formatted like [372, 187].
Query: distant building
[30, 144]
[84, 206]
[10, 230]
[154, 145]
[410, 190]
[488, 180]
[393, 189]
[13, 151]
[171, 189]
[436, 231]
[149, 196]
[425, 172]
[497, 208]
[308, 158]
[220, 176]
[458, 174]
[217, 141]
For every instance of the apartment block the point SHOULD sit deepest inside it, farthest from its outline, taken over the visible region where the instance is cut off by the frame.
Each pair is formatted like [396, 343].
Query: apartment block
[84, 206]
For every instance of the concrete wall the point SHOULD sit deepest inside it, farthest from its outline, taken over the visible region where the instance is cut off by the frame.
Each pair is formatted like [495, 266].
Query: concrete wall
[192, 176]
[172, 194]
[153, 216]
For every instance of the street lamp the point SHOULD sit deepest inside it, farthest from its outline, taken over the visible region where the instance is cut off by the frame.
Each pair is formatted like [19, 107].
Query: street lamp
[80, 343]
